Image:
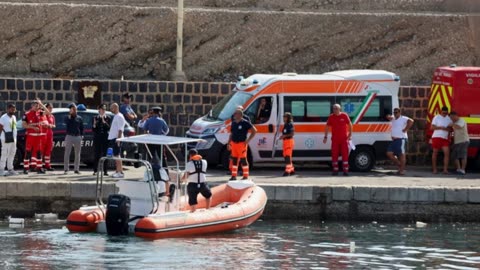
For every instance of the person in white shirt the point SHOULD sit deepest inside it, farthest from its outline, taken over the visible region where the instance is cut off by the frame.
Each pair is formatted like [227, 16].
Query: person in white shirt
[8, 138]
[116, 132]
[461, 141]
[196, 169]
[396, 150]
[440, 139]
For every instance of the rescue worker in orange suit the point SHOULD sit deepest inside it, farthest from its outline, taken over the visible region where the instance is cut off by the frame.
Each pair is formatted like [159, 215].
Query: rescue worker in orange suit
[48, 124]
[33, 142]
[342, 128]
[288, 143]
[230, 163]
[238, 143]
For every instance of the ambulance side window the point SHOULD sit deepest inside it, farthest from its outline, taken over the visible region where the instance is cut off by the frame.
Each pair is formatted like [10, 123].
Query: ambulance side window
[376, 112]
[308, 109]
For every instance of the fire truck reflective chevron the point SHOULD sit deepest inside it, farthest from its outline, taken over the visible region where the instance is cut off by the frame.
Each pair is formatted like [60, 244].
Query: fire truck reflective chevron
[440, 97]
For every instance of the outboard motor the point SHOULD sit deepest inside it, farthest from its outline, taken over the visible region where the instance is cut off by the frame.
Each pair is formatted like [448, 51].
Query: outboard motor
[118, 214]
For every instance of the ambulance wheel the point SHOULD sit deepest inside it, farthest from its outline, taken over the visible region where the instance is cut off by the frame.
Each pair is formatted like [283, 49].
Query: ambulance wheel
[362, 159]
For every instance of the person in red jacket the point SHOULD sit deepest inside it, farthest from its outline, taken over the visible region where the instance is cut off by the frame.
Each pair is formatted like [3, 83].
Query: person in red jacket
[33, 142]
[342, 128]
[48, 124]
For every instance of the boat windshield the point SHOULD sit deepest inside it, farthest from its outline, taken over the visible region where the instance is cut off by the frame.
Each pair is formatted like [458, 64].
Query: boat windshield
[225, 108]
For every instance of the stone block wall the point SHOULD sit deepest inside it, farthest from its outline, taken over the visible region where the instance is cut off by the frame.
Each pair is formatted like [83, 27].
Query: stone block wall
[183, 102]
[414, 102]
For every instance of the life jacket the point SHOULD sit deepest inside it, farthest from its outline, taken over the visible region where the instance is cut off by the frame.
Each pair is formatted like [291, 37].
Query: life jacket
[197, 162]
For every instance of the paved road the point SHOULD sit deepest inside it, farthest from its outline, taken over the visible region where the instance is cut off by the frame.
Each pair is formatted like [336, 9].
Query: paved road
[418, 177]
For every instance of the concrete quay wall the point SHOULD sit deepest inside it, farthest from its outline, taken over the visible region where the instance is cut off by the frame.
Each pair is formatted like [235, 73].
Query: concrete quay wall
[307, 202]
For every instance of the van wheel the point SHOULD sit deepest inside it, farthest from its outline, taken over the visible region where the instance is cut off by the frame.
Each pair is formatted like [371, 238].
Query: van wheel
[362, 159]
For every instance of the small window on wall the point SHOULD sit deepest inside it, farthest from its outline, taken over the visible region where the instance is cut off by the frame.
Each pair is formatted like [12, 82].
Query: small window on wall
[378, 109]
[308, 109]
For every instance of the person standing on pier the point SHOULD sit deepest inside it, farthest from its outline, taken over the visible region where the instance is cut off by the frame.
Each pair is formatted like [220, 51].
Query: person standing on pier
[126, 109]
[396, 150]
[342, 129]
[461, 141]
[48, 124]
[116, 132]
[156, 125]
[101, 126]
[288, 143]
[440, 139]
[74, 126]
[30, 122]
[8, 138]
[238, 143]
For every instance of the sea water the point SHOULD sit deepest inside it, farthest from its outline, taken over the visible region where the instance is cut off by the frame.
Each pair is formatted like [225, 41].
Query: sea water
[264, 245]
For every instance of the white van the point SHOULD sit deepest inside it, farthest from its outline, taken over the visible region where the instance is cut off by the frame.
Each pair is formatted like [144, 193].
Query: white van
[366, 95]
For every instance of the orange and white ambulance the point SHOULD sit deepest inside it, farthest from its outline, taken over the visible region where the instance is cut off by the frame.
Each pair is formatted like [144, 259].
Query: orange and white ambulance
[366, 95]
[458, 89]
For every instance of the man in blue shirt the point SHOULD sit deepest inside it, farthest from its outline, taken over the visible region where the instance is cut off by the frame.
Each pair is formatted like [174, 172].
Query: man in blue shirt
[157, 126]
[127, 111]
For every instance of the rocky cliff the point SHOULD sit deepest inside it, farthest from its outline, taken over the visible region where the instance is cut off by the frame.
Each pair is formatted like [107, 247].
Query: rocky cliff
[221, 41]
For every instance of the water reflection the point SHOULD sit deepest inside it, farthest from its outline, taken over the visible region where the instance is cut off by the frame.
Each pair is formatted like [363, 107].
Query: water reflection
[266, 245]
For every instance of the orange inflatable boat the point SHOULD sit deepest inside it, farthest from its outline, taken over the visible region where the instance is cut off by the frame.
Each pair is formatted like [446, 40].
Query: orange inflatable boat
[141, 207]
[234, 205]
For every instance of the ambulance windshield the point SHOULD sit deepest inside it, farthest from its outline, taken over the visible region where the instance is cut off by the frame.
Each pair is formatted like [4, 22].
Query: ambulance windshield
[225, 108]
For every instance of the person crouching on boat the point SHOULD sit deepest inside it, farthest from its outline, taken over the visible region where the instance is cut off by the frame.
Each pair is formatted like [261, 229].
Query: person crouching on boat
[195, 174]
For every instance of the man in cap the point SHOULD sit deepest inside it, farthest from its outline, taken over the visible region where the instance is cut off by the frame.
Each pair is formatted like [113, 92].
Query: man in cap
[157, 126]
[440, 139]
[30, 122]
[74, 128]
[126, 109]
[101, 126]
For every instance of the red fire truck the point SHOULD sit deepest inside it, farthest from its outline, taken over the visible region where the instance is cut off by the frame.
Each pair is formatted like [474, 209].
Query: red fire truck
[458, 88]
